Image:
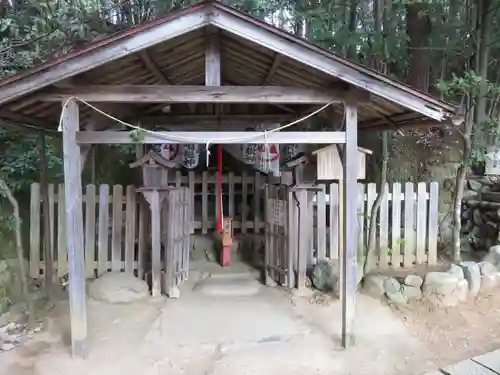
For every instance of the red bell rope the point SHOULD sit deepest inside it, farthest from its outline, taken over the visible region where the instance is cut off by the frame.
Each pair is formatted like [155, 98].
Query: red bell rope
[221, 212]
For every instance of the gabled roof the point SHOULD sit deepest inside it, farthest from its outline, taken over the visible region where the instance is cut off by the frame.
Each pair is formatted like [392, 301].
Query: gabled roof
[170, 50]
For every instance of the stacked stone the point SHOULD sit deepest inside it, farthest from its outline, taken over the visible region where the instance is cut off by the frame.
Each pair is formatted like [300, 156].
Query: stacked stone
[481, 213]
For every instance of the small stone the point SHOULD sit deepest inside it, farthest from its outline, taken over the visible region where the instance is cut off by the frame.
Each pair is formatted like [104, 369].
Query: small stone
[391, 285]
[174, 293]
[443, 289]
[487, 269]
[397, 298]
[325, 275]
[6, 346]
[493, 255]
[414, 280]
[474, 185]
[457, 271]
[373, 285]
[411, 292]
[490, 282]
[473, 276]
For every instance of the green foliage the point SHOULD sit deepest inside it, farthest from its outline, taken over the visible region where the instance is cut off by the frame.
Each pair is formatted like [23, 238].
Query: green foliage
[20, 160]
[470, 86]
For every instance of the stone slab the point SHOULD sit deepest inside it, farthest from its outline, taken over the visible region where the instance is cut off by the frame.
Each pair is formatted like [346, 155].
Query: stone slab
[467, 367]
[229, 285]
[490, 360]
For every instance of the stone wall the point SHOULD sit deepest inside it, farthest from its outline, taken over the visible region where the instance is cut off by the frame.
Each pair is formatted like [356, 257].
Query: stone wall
[441, 289]
[481, 213]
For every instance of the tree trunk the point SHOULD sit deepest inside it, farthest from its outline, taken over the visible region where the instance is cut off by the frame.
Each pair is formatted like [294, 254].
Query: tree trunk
[418, 28]
[352, 19]
[20, 251]
[372, 228]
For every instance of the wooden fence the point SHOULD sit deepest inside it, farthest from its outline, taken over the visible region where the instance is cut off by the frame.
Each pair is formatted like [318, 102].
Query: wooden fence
[115, 238]
[407, 224]
[111, 219]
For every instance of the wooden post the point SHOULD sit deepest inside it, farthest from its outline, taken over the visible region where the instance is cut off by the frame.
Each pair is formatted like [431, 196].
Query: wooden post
[154, 198]
[303, 238]
[47, 235]
[74, 230]
[350, 196]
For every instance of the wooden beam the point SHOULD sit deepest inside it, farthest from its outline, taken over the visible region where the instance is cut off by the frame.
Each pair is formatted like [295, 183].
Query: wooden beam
[122, 45]
[212, 58]
[195, 121]
[223, 137]
[349, 256]
[276, 63]
[74, 230]
[194, 94]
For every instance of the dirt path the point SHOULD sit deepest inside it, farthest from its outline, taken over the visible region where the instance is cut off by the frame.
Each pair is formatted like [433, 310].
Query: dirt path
[264, 334]
[456, 333]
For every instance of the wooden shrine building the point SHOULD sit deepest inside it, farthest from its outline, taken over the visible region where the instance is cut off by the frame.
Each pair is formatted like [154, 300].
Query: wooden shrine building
[206, 72]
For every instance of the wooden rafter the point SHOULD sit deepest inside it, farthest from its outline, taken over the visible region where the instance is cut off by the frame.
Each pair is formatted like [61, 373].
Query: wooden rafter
[161, 76]
[276, 63]
[153, 68]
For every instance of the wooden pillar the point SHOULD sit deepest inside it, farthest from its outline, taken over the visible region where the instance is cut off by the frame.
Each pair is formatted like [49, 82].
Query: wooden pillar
[74, 230]
[349, 261]
[155, 198]
[304, 238]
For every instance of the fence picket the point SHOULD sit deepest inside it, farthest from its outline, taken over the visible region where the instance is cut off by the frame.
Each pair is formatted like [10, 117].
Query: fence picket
[130, 225]
[334, 222]
[35, 230]
[244, 202]
[433, 223]
[231, 195]
[383, 257]
[191, 198]
[141, 251]
[409, 239]
[421, 256]
[321, 231]
[256, 203]
[361, 217]
[62, 253]
[103, 232]
[204, 202]
[90, 204]
[117, 227]
[52, 220]
[371, 195]
[396, 238]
